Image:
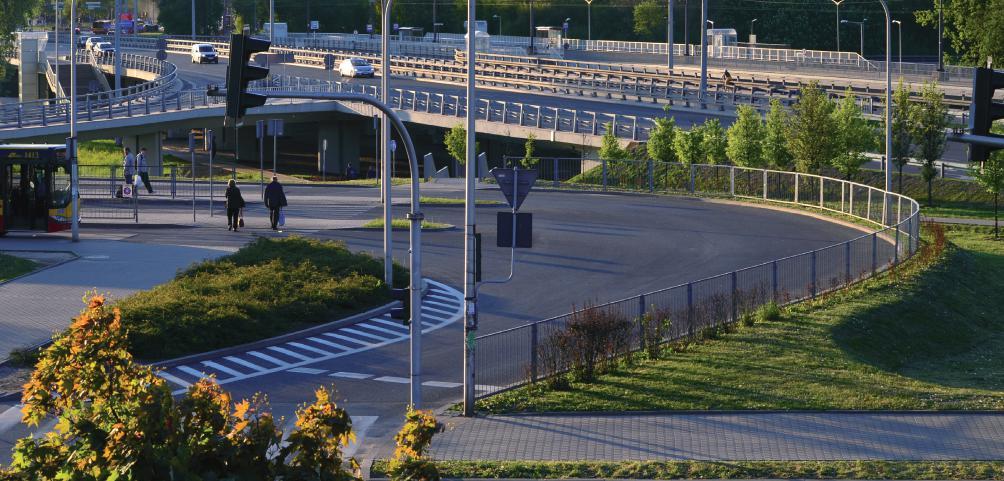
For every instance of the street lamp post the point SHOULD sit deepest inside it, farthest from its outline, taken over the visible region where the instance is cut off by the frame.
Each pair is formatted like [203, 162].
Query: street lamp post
[888, 107]
[74, 169]
[861, 27]
[118, 49]
[385, 154]
[533, 31]
[900, 26]
[589, 19]
[752, 22]
[837, 3]
[55, 11]
[470, 287]
[704, 50]
[564, 27]
[941, 61]
[499, 17]
[193, 19]
[669, 34]
[271, 20]
[712, 23]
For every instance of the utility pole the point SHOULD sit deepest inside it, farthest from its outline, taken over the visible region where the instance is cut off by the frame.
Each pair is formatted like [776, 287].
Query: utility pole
[589, 19]
[837, 3]
[704, 50]
[118, 49]
[74, 168]
[470, 290]
[193, 19]
[55, 11]
[533, 31]
[669, 33]
[385, 177]
[686, 28]
[271, 20]
[941, 35]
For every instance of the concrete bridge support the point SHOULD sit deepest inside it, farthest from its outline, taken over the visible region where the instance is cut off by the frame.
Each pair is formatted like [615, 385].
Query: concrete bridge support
[28, 72]
[343, 139]
[154, 150]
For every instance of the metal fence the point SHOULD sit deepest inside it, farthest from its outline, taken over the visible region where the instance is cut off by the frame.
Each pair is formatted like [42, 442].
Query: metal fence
[516, 356]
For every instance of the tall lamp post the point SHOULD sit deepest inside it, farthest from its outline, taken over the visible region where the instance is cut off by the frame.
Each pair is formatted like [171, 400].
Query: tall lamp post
[704, 50]
[589, 19]
[470, 288]
[385, 153]
[888, 107]
[193, 20]
[900, 26]
[837, 3]
[752, 22]
[669, 34]
[499, 17]
[74, 169]
[861, 27]
[941, 60]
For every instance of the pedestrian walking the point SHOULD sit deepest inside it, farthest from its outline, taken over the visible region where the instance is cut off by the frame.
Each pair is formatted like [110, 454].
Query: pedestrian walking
[235, 202]
[128, 169]
[143, 169]
[275, 200]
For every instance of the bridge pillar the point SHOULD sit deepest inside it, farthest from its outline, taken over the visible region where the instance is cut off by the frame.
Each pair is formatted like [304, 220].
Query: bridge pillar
[28, 72]
[343, 147]
[154, 153]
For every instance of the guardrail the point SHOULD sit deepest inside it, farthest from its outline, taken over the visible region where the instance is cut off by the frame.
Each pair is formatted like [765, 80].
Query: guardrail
[524, 354]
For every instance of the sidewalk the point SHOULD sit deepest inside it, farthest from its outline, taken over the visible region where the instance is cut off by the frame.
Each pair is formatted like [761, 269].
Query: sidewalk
[37, 305]
[731, 436]
[958, 220]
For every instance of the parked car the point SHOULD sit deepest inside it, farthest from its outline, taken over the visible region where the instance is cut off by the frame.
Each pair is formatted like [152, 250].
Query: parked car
[355, 67]
[152, 27]
[82, 41]
[204, 53]
[91, 42]
[104, 48]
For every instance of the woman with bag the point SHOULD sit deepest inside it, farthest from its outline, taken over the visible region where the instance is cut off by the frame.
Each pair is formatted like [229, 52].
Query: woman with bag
[235, 202]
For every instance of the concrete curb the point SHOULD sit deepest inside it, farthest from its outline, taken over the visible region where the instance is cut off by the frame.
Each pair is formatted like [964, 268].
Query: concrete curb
[348, 321]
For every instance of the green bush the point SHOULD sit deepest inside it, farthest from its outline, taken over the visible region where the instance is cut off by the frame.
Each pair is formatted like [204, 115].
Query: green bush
[267, 288]
[768, 312]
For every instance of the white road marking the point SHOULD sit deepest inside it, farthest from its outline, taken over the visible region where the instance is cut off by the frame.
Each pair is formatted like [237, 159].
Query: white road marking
[427, 315]
[426, 302]
[10, 417]
[361, 333]
[351, 375]
[187, 370]
[329, 343]
[389, 323]
[346, 338]
[437, 297]
[221, 368]
[360, 424]
[305, 347]
[396, 380]
[244, 363]
[288, 352]
[269, 358]
[426, 307]
[381, 329]
[307, 370]
[442, 384]
[172, 378]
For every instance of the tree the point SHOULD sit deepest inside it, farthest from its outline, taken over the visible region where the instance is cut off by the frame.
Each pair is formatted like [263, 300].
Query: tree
[456, 143]
[991, 178]
[812, 133]
[928, 121]
[854, 137]
[176, 17]
[746, 138]
[902, 143]
[660, 141]
[974, 28]
[610, 147]
[14, 15]
[775, 143]
[529, 161]
[688, 146]
[648, 18]
[713, 142]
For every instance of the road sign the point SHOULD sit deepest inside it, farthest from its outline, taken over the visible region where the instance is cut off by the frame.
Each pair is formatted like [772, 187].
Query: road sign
[93, 5]
[523, 180]
[369, 28]
[259, 129]
[275, 127]
[524, 230]
[315, 25]
[396, 27]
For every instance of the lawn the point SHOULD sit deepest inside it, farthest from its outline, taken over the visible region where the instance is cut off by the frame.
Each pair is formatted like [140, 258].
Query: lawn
[900, 470]
[12, 266]
[404, 224]
[267, 288]
[925, 336]
[952, 197]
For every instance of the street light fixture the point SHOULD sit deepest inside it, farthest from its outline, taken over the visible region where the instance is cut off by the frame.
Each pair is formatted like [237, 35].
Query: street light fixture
[837, 3]
[751, 25]
[712, 22]
[499, 17]
[900, 26]
[861, 26]
[589, 19]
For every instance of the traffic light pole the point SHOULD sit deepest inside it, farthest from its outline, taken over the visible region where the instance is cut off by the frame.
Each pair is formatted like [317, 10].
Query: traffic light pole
[470, 289]
[385, 153]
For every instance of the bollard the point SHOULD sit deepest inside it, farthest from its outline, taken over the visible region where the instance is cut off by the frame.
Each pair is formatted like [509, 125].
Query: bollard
[604, 162]
[533, 351]
[174, 181]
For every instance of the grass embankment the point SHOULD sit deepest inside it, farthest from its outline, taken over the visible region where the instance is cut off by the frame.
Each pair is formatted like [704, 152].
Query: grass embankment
[13, 266]
[898, 470]
[267, 288]
[925, 336]
[952, 197]
[404, 224]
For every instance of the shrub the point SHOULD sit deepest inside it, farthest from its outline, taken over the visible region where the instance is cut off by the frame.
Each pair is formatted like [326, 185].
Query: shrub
[598, 335]
[656, 325]
[411, 462]
[768, 312]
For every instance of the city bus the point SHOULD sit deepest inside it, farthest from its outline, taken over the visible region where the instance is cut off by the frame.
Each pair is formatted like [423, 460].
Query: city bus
[100, 27]
[34, 187]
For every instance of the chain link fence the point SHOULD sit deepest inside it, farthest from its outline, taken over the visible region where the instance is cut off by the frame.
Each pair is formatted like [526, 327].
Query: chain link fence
[528, 353]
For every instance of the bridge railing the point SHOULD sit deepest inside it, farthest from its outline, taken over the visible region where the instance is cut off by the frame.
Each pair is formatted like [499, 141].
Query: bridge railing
[531, 352]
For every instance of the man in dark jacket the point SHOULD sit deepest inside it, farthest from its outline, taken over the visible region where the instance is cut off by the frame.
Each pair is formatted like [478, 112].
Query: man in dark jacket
[275, 200]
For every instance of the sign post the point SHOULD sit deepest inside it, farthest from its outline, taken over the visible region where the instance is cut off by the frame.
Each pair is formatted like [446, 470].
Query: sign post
[259, 131]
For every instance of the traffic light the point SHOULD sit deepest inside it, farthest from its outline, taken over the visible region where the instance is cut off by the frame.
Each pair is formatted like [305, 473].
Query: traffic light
[984, 110]
[240, 74]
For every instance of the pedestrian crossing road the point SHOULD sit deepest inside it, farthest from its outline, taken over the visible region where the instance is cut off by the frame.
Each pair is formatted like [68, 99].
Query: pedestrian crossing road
[441, 306]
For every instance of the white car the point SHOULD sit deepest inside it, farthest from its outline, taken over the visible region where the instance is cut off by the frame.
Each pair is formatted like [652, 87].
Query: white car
[104, 48]
[355, 67]
[204, 53]
[91, 42]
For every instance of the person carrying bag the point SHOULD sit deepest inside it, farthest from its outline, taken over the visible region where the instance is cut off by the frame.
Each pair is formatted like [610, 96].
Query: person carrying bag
[235, 205]
[275, 200]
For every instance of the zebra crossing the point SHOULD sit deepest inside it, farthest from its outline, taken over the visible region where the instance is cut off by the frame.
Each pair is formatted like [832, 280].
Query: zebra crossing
[441, 306]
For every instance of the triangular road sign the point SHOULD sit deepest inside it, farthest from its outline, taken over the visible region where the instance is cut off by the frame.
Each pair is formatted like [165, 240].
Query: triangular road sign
[515, 184]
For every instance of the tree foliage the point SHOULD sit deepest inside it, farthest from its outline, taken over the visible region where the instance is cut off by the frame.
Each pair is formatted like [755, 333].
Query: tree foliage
[991, 178]
[456, 143]
[660, 141]
[713, 142]
[688, 146]
[974, 28]
[746, 138]
[854, 137]
[928, 121]
[648, 18]
[775, 143]
[812, 138]
[411, 461]
[529, 161]
[14, 15]
[902, 142]
[610, 147]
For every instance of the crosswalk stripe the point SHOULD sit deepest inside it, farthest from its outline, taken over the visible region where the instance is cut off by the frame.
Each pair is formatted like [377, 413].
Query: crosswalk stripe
[427, 302]
[346, 338]
[429, 315]
[306, 370]
[361, 333]
[310, 348]
[329, 343]
[172, 378]
[221, 368]
[268, 358]
[194, 372]
[393, 324]
[442, 384]
[396, 380]
[244, 363]
[426, 307]
[381, 329]
[350, 375]
[439, 297]
[289, 353]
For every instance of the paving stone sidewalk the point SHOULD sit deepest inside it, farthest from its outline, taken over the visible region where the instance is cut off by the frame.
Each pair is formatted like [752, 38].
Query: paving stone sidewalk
[726, 436]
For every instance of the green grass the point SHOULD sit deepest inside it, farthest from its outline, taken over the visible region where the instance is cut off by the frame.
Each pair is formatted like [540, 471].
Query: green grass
[403, 224]
[897, 470]
[267, 288]
[13, 266]
[454, 201]
[926, 336]
[952, 197]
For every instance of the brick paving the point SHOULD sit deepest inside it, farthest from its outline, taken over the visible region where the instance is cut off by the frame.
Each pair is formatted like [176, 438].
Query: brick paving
[725, 436]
